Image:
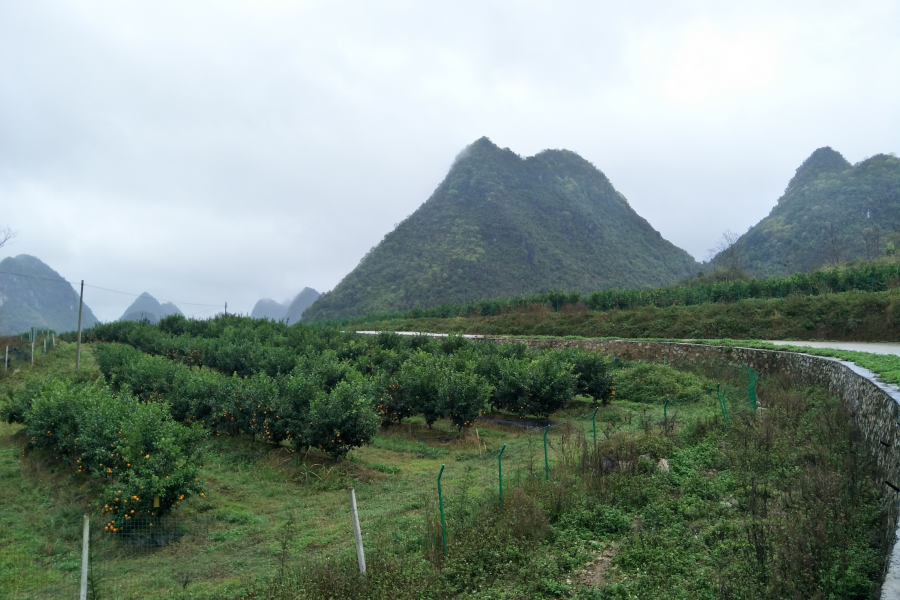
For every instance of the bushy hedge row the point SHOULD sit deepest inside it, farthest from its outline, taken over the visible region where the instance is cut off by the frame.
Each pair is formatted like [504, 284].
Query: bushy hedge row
[135, 446]
[871, 278]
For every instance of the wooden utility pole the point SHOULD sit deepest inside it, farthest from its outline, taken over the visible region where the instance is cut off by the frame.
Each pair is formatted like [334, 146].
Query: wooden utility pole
[78, 348]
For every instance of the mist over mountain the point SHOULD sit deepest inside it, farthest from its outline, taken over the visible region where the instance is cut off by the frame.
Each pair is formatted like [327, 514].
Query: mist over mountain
[34, 295]
[269, 309]
[147, 307]
[501, 225]
[831, 212]
[300, 303]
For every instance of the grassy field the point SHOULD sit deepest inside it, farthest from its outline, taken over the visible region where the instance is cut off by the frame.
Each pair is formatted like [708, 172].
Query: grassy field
[735, 515]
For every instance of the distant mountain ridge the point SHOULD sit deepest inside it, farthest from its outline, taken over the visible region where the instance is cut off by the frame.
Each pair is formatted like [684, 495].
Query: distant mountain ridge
[267, 308]
[148, 307]
[289, 310]
[300, 303]
[501, 225]
[830, 212]
[34, 295]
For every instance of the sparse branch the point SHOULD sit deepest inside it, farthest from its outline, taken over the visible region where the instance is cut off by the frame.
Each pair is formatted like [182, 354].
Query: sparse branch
[6, 234]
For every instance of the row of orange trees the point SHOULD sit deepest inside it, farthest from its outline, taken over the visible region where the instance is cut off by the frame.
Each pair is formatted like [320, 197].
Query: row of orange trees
[321, 388]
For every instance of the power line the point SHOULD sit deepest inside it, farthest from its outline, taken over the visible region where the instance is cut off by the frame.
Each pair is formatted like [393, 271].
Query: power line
[96, 287]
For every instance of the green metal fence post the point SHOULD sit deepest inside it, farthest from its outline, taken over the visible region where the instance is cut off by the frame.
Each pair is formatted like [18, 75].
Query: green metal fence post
[546, 460]
[666, 416]
[441, 504]
[500, 471]
[752, 378]
[594, 424]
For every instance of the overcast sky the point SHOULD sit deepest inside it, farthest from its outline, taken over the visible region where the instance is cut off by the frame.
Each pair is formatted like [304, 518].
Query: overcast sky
[231, 150]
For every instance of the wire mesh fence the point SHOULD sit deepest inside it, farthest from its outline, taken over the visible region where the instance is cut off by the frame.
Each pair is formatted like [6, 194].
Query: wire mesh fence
[145, 551]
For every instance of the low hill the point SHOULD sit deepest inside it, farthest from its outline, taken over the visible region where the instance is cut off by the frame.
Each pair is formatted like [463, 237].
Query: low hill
[830, 213]
[34, 295]
[148, 307]
[300, 303]
[500, 225]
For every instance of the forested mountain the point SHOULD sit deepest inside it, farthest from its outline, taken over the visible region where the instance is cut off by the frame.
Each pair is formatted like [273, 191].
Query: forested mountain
[300, 303]
[147, 307]
[500, 225]
[269, 309]
[831, 212]
[34, 295]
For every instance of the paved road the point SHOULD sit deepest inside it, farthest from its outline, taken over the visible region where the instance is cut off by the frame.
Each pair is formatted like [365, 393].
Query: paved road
[873, 347]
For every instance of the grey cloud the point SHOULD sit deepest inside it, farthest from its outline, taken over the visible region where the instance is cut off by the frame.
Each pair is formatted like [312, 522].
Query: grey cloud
[214, 151]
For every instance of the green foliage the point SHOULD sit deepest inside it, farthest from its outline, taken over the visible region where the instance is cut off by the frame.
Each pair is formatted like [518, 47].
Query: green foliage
[652, 383]
[465, 396]
[341, 420]
[593, 376]
[499, 225]
[418, 389]
[539, 385]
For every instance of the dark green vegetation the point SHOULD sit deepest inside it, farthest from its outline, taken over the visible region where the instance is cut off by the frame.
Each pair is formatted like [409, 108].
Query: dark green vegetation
[850, 316]
[690, 292]
[500, 225]
[34, 295]
[776, 504]
[147, 307]
[831, 212]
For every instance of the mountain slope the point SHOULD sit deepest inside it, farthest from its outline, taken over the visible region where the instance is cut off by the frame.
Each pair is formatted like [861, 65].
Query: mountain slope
[831, 212]
[34, 295]
[268, 309]
[300, 303]
[500, 225]
[148, 307]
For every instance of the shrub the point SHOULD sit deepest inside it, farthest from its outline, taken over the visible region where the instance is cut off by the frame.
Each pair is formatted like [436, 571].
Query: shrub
[647, 382]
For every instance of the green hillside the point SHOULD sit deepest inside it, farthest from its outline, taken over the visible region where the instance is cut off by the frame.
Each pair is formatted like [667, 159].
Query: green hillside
[830, 213]
[34, 295]
[499, 226]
